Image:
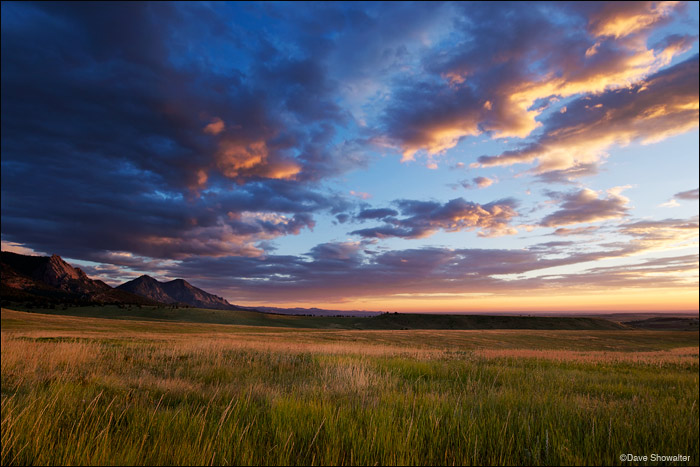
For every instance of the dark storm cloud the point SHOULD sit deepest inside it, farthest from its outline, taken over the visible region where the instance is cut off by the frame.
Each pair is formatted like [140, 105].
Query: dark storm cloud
[160, 129]
[423, 218]
[108, 212]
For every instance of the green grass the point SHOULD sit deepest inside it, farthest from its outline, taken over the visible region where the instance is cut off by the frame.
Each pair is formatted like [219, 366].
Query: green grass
[96, 391]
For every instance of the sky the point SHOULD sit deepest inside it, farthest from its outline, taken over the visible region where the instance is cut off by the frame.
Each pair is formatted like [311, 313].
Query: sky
[435, 157]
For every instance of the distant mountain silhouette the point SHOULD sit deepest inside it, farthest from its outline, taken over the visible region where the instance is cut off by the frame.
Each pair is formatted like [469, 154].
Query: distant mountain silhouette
[46, 281]
[43, 277]
[177, 291]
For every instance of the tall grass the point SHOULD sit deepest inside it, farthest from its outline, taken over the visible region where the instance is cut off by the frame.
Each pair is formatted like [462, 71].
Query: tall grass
[304, 398]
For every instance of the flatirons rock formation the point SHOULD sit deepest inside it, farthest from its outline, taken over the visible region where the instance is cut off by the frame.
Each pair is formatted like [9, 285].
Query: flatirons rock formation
[148, 287]
[57, 273]
[177, 291]
[27, 277]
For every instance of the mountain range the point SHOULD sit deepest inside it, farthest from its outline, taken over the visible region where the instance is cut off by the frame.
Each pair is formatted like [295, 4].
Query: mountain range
[47, 281]
[51, 279]
[177, 291]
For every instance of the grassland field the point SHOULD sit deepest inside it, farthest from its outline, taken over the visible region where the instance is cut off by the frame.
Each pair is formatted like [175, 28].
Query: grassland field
[150, 389]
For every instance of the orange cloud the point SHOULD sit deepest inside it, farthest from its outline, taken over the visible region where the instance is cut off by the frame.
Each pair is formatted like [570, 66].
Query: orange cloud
[234, 157]
[475, 99]
[483, 182]
[436, 139]
[664, 105]
[609, 70]
[237, 159]
[620, 19]
[215, 127]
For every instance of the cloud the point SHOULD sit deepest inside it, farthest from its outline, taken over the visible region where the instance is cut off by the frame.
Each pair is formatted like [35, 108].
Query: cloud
[670, 204]
[687, 195]
[683, 195]
[563, 231]
[620, 19]
[240, 160]
[506, 69]
[423, 218]
[476, 182]
[186, 144]
[360, 194]
[569, 175]
[331, 252]
[672, 272]
[656, 266]
[675, 44]
[662, 234]
[340, 270]
[663, 105]
[215, 127]
[586, 206]
[120, 213]
[351, 270]
[483, 182]
[177, 136]
[185, 104]
[18, 248]
[380, 213]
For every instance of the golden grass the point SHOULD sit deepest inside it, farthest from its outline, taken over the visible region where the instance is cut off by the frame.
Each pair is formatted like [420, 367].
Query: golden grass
[107, 391]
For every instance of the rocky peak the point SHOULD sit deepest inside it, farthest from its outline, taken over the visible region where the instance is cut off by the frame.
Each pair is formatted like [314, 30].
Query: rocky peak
[148, 287]
[180, 283]
[174, 291]
[145, 278]
[51, 278]
[56, 272]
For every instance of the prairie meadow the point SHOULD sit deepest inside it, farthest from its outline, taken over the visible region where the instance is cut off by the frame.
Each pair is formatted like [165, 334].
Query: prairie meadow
[91, 391]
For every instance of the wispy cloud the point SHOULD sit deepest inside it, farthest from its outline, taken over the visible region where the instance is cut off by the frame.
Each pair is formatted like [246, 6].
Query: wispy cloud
[354, 269]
